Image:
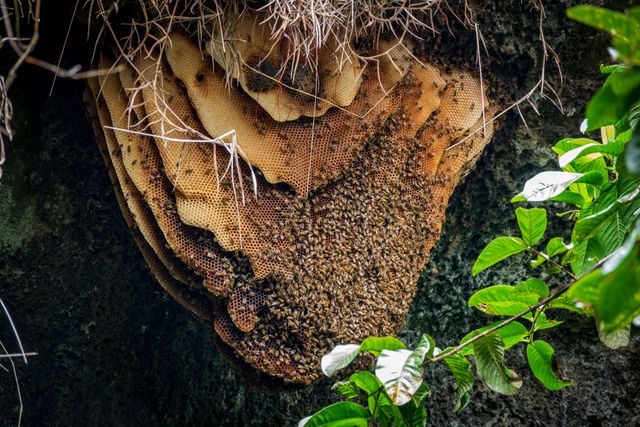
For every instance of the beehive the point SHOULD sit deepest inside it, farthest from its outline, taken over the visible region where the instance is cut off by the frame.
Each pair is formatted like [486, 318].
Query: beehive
[308, 224]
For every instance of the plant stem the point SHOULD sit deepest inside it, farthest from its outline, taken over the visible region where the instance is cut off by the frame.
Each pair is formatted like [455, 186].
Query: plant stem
[506, 322]
[533, 325]
[374, 414]
[548, 258]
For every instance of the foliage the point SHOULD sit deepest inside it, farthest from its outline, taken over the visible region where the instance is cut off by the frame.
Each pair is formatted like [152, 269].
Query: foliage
[598, 189]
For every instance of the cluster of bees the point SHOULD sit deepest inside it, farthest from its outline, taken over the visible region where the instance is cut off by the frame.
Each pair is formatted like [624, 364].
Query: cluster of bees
[304, 230]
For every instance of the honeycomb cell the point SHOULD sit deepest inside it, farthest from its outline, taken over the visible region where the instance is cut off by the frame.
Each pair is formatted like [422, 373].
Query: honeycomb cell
[305, 233]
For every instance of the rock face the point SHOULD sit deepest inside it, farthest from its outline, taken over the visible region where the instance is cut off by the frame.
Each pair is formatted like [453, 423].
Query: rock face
[114, 349]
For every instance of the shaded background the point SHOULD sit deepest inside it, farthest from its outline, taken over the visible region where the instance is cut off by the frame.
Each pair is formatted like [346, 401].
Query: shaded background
[114, 349]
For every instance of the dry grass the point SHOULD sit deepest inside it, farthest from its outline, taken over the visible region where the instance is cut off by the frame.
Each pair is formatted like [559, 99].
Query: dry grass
[10, 356]
[10, 34]
[12, 18]
[299, 29]
[542, 88]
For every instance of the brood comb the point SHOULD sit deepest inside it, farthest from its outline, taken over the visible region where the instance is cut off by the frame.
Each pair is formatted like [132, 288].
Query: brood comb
[292, 215]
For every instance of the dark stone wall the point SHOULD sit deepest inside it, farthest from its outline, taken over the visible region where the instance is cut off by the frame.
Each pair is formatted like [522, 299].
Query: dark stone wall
[115, 350]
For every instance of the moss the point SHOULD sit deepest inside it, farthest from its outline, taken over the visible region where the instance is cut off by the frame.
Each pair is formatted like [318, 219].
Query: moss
[11, 238]
[115, 350]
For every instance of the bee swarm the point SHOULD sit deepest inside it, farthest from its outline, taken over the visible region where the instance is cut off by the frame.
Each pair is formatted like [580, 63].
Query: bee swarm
[352, 175]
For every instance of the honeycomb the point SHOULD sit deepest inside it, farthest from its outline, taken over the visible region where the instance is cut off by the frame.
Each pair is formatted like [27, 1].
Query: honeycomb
[252, 58]
[171, 275]
[300, 229]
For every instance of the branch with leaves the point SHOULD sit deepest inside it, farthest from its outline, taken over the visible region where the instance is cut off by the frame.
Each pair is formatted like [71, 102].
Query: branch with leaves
[598, 189]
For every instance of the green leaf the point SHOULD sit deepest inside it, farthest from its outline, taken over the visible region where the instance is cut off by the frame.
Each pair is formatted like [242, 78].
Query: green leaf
[626, 80]
[619, 300]
[341, 414]
[496, 251]
[634, 12]
[340, 357]
[543, 323]
[489, 354]
[414, 413]
[585, 255]
[366, 381]
[552, 270]
[586, 164]
[536, 286]
[503, 300]
[570, 197]
[375, 345]
[615, 23]
[589, 226]
[614, 148]
[625, 51]
[568, 257]
[540, 357]
[461, 370]
[540, 259]
[401, 371]
[427, 341]
[632, 153]
[566, 303]
[411, 416]
[623, 137]
[532, 223]
[614, 99]
[608, 69]
[387, 413]
[347, 389]
[511, 334]
[567, 144]
[630, 190]
[613, 290]
[612, 233]
[556, 246]
[625, 195]
[634, 116]
[420, 396]
[547, 185]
